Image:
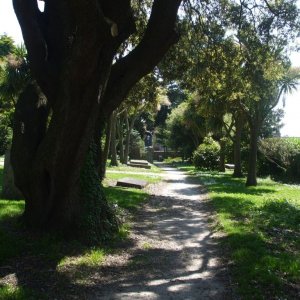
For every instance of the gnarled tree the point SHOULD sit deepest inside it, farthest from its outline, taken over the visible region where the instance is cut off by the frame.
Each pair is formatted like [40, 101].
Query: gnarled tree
[71, 48]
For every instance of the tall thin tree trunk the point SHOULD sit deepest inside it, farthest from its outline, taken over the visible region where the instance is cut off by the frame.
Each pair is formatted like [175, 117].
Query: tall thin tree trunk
[127, 138]
[222, 156]
[113, 140]
[121, 138]
[237, 146]
[252, 167]
[128, 135]
[104, 154]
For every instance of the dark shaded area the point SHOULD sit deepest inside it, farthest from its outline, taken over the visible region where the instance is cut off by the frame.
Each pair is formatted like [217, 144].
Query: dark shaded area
[152, 271]
[1, 179]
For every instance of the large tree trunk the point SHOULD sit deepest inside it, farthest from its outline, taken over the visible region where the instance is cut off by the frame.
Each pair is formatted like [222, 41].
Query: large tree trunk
[237, 146]
[252, 167]
[71, 47]
[49, 160]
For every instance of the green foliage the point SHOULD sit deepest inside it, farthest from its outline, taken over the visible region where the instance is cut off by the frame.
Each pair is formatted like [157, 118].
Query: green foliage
[262, 234]
[136, 144]
[206, 156]
[185, 128]
[6, 45]
[280, 157]
[14, 75]
[173, 160]
[8, 292]
[5, 133]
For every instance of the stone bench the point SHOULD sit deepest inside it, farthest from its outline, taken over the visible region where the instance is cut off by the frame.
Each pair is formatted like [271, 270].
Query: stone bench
[132, 183]
[229, 166]
[139, 164]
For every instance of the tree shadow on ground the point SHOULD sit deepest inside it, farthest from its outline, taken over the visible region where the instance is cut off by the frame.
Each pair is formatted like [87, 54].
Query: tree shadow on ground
[175, 260]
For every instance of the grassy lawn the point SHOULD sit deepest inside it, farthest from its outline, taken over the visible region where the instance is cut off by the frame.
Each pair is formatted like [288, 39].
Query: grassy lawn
[262, 226]
[47, 252]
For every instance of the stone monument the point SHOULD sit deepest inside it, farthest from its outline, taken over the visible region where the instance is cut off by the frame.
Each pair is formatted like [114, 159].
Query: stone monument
[148, 146]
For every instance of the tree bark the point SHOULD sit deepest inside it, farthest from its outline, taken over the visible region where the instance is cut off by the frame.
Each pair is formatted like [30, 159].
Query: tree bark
[237, 146]
[222, 156]
[129, 128]
[127, 138]
[252, 167]
[71, 47]
[113, 141]
[120, 138]
[104, 154]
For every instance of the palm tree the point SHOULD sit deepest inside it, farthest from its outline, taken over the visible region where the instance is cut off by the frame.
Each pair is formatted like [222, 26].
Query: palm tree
[289, 83]
[14, 76]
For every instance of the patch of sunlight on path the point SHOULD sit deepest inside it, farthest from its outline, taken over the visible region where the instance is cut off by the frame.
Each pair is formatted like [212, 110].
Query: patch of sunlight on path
[182, 257]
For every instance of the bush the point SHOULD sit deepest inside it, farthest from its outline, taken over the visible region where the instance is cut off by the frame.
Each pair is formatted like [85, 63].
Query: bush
[206, 156]
[171, 160]
[137, 146]
[5, 133]
[280, 157]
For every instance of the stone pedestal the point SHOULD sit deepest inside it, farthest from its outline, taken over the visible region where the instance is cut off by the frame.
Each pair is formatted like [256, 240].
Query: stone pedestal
[132, 183]
[149, 154]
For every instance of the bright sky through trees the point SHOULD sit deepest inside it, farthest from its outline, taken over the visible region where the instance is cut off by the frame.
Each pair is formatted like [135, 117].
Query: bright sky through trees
[10, 26]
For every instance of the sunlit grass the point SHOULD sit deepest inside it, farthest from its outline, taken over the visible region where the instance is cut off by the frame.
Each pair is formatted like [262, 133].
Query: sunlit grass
[8, 292]
[262, 224]
[128, 198]
[91, 258]
[148, 178]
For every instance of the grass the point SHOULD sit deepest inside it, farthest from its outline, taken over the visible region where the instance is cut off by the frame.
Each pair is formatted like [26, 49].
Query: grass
[92, 257]
[17, 244]
[148, 178]
[262, 226]
[126, 198]
[17, 293]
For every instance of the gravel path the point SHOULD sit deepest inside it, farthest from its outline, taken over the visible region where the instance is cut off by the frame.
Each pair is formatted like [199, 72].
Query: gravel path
[173, 254]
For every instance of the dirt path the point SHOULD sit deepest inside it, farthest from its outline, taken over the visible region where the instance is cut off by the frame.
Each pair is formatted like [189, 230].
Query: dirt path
[173, 253]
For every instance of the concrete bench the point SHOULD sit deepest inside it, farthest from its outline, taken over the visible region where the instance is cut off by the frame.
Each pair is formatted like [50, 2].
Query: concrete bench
[132, 183]
[229, 166]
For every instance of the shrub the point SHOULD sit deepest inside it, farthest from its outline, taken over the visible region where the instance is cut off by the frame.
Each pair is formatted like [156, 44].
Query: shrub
[171, 160]
[280, 157]
[137, 146]
[206, 156]
[5, 133]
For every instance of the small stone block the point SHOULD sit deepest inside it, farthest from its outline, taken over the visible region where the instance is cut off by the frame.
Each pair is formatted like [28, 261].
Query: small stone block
[229, 166]
[139, 162]
[132, 183]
